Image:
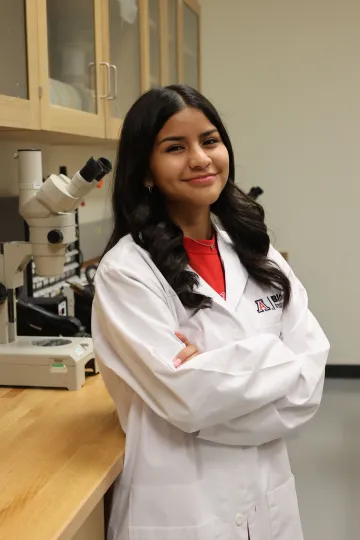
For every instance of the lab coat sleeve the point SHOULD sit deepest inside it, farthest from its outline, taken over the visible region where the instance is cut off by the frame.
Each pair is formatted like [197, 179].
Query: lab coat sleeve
[304, 337]
[133, 334]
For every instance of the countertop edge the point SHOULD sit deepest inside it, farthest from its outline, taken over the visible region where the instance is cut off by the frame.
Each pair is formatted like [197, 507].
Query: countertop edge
[81, 513]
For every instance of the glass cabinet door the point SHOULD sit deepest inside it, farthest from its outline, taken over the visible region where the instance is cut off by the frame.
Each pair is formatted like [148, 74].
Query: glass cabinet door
[13, 50]
[191, 45]
[71, 54]
[70, 67]
[19, 101]
[124, 84]
[173, 41]
[154, 43]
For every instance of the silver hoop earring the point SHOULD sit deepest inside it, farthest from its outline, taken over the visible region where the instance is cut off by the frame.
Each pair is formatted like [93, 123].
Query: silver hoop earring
[150, 189]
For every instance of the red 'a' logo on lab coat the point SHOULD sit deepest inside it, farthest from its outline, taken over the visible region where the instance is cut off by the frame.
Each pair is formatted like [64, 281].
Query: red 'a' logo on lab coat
[261, 306]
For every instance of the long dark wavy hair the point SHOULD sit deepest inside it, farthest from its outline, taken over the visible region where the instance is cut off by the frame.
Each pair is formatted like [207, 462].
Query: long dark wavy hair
[144, 215]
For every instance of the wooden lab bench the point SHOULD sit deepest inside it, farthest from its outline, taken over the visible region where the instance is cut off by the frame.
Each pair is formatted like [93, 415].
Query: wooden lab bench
[60, 452]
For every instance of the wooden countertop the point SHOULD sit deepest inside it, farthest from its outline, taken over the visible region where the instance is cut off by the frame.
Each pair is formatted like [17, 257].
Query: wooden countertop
[60, 451]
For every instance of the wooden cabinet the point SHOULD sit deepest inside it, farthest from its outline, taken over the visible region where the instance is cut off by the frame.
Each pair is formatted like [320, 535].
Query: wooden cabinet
[76, 66]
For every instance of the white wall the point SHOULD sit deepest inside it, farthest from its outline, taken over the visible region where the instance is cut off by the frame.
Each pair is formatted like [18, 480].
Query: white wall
[286, 77]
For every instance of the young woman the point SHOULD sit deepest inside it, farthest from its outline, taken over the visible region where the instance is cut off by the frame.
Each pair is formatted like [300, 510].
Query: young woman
[203, 336]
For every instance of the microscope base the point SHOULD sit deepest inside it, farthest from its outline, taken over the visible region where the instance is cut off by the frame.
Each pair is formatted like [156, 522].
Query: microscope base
[46, 362]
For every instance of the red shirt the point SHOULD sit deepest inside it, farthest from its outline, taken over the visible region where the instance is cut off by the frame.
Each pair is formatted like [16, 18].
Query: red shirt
[207, 263]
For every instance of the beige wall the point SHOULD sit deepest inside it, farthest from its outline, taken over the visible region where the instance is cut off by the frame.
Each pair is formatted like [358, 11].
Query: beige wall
[285, 75]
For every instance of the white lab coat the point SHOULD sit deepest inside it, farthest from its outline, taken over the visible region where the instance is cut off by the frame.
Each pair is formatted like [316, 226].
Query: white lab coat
[205, 452]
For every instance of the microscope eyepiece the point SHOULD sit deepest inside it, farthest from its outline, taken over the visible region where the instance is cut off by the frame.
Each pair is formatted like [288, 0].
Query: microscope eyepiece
[105, 166]
[95, 169]
[90, 170]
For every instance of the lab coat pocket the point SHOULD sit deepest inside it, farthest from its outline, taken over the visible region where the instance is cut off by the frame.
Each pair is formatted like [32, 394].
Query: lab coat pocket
[172, 513]
[284, 514]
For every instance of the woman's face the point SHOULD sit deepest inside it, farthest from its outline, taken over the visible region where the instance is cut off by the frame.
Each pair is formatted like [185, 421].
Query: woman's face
[189, 162]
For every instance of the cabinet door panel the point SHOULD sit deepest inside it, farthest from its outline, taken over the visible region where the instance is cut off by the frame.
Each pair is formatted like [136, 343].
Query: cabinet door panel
[71, 54]
[173, 41]
[154, 43]
[189, 42]
[125, 56]
[13, 59]
[191, 46]
[70, 47]
[19, 99]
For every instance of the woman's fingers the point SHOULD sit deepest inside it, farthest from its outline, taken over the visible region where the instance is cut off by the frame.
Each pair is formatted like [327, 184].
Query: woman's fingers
[185, 355]
[189, 352]
[182, 338]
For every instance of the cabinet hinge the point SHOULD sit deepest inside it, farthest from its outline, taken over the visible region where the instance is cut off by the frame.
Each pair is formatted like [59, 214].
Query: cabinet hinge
[41, 91]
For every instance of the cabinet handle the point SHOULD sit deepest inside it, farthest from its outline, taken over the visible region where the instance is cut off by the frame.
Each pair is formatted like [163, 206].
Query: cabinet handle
[108, 75]
[115, 92]
[91, 66]
[93, 90]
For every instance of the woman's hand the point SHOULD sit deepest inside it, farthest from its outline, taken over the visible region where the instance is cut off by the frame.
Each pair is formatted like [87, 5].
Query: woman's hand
[186, 354]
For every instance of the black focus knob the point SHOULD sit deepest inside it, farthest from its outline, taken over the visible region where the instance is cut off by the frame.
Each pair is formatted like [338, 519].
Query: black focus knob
[55, 236]
[3, 294]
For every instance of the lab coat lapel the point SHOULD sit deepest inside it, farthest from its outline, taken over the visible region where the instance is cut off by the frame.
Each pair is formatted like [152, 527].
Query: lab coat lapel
[235, 275]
